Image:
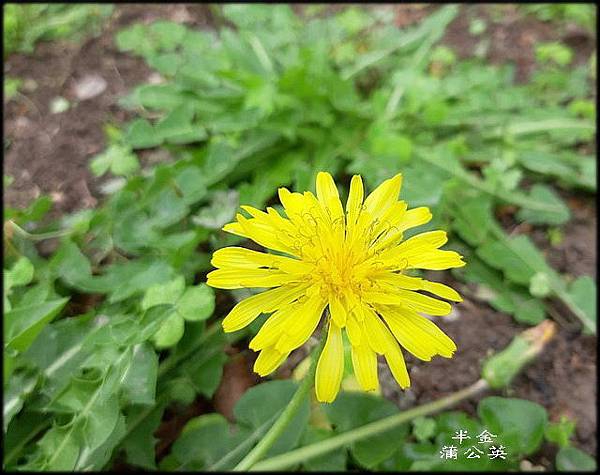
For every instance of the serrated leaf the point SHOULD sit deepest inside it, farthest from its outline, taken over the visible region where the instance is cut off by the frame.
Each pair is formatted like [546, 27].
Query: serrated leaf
[541, 193]
[509, 256]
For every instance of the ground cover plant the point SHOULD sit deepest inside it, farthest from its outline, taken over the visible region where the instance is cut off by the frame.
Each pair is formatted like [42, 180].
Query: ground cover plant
[115, 330]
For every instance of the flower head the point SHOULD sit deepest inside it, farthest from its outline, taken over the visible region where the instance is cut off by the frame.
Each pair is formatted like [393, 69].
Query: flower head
[352, 262]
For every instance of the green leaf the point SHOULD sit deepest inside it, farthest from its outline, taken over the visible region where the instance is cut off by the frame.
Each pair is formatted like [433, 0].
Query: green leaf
[22, 325]
[206, 376]
[331, 462]
[508, 256]
[17, 389]
[170, 332]
[119, 159]
[204, 441]
[166, 34]
[423, 428]
[192, 304]
[583, 294]
[177, 126]
[472, 219]
[141, 134]
[220, 212]
[192, 184]
[197, 303]
[560, 432]
[127, 279]
[138, 384]
[20, 274]
[559, 215]
[502, 295]
[98, 458]
[258, 405]
[133, 38]
[140, 442]
[351, 410]
[570, 459]
[162, 96]
[519, 424]
[163, 293]
[71, 264]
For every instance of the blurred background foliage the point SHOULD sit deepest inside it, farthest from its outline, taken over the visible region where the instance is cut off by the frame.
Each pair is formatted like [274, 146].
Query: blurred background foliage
[268, 100]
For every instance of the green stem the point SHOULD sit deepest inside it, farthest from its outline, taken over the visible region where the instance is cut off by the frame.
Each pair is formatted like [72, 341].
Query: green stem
[310, 451]
[41, 236]
[285, 418]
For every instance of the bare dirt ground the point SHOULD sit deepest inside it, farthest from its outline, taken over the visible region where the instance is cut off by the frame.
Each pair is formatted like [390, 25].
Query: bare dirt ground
[49, 154]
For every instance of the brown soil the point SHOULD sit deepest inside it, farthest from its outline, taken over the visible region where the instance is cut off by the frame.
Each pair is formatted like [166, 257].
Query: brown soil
[511, 37]
[569, 361]
[49, 153]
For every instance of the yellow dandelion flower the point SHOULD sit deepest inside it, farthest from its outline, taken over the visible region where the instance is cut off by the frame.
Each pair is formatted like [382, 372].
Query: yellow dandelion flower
[354, 263]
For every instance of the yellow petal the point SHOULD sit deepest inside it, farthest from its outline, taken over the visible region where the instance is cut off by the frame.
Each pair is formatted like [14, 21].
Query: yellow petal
[415, 217]
[272, 329]
[397, 257]
[410, 299]
[388, 225]
[266, 235]
[238, 278]
[417, 334]
[354, 330]
[328, 196]
[384, 196]
[355, 201]
[268, 361]
[234, 228]
[442, 290]
[364, 361]
[330, 366]
[423, 241]
[303, 325]
[395, 361]
[392, 281]
[248, 309]
[293, 203]
[435, 260]
[375, 331]
[399, 280]
[338, 311]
